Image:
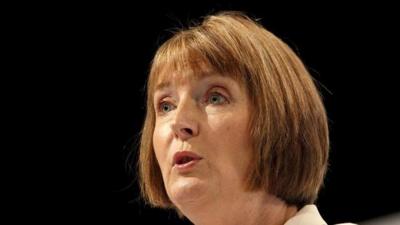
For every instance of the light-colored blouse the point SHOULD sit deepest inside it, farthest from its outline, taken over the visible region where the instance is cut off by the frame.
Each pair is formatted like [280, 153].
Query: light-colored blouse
[309, 215]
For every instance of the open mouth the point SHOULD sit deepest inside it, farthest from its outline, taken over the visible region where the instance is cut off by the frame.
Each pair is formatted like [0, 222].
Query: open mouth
[185, 159]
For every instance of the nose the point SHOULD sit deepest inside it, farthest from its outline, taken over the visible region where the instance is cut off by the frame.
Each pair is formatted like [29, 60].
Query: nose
[185, 124]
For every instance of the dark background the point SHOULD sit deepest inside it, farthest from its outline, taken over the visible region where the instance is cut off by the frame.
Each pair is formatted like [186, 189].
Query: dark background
[85, 68]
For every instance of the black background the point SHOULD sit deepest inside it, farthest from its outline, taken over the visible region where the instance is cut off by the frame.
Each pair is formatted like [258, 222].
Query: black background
[81, 84]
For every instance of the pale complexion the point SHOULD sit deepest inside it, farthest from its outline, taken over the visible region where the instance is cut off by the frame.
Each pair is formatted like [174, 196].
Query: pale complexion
[209, 116]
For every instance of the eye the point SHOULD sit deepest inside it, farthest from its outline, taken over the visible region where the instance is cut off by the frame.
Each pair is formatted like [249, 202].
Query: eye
[216, 98]
[165, 107]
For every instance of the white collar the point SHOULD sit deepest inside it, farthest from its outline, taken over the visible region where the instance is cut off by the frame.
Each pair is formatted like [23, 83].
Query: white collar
[308, 215]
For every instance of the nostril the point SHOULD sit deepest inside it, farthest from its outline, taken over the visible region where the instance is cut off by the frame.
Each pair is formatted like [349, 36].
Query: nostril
[188, 130]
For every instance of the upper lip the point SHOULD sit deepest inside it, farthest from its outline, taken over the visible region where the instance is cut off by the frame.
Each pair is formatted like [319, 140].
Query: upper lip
[182, 154]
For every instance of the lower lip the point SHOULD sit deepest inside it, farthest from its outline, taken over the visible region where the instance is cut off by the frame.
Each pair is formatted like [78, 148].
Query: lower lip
[187, 167]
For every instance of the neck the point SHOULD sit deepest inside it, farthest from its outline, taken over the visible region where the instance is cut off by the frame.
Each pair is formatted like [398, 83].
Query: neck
[249, 208]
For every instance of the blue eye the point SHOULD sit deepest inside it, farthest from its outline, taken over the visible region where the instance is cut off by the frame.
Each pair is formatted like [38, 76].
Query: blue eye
[216, 99]
[165, 107]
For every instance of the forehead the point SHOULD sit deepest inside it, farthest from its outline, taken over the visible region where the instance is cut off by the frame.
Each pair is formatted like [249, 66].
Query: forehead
[169, 76]
[180, 77]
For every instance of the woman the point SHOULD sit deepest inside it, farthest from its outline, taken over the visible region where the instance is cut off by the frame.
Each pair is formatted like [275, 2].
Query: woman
[235, 130]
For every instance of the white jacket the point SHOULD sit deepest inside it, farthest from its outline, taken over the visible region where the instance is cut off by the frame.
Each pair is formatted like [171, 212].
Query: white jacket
[308, 215]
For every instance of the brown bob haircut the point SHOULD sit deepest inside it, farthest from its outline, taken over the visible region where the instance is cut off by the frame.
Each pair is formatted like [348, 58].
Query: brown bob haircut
[288, 124]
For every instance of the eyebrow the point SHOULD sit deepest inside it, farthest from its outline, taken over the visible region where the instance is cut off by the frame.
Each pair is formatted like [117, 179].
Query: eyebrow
[162, 85]
[201, 76]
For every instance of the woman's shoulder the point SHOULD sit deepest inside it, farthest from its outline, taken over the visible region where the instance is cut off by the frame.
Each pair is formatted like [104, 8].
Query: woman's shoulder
[309, 215]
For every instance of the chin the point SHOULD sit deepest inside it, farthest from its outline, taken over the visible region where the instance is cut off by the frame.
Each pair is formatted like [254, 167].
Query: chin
[188, 192]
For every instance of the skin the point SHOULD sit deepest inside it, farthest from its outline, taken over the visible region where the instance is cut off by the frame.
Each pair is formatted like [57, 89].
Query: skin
[210, 116]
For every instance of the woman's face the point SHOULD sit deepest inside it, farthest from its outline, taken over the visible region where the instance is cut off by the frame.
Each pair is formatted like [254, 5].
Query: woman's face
[201, 138]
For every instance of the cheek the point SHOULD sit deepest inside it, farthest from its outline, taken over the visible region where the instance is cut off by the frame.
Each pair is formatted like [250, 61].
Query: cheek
[237, 138]
[233, 140]
[159, 145]
[232, 130]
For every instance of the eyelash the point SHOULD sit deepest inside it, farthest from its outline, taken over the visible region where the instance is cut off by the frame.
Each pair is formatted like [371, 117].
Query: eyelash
[211, 94]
